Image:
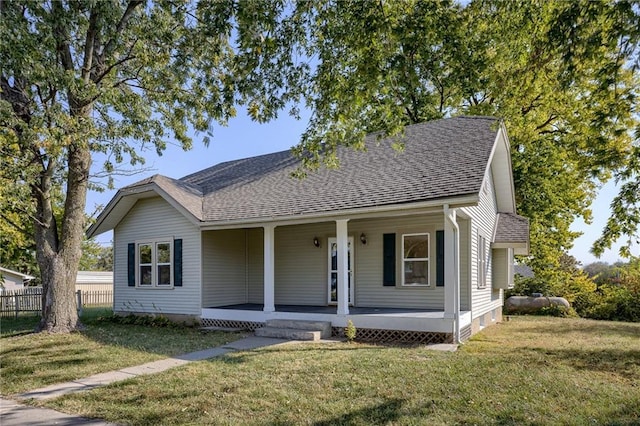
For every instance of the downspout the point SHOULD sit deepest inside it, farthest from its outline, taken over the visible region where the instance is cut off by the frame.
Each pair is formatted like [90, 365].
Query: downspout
[450, 214]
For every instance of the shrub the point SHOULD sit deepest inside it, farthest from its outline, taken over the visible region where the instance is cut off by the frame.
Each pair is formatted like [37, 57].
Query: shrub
[144, 320]
[611, 302]
[350, 331]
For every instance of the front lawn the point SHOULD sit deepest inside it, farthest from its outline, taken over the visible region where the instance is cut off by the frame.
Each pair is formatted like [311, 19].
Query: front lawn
[528, 371]
[29, 361]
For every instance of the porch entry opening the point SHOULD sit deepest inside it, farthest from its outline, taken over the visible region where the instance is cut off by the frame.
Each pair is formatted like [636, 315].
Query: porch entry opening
[333, 271]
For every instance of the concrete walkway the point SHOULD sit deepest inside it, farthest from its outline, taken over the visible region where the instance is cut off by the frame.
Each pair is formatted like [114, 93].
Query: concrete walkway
[13, 414]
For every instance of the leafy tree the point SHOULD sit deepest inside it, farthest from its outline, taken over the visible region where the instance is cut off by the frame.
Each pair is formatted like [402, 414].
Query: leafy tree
[96, 257]
[117, 77]
[562, 75]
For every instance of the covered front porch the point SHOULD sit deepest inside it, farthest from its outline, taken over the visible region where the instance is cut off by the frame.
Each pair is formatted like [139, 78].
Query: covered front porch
[345, 269]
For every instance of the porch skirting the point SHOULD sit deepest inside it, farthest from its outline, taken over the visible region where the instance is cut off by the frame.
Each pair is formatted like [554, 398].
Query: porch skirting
[376, 325]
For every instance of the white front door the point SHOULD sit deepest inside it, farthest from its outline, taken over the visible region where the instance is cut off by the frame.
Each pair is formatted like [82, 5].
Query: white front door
[333, 270]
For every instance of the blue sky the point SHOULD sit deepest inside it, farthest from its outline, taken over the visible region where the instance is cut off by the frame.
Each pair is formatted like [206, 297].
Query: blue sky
[244, 138]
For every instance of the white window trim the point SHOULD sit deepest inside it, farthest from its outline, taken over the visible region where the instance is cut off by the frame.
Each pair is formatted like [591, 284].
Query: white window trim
[427, 259]
[154, 264]
[482, 261]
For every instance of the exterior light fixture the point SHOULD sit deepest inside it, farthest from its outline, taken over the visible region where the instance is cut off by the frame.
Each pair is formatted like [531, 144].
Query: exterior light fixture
[316, 242]
[363, 238]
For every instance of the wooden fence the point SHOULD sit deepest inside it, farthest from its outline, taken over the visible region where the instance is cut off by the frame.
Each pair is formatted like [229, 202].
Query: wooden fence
[29, 300]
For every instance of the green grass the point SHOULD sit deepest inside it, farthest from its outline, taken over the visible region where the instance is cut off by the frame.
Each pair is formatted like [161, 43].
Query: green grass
[528, 371]
[29, 361]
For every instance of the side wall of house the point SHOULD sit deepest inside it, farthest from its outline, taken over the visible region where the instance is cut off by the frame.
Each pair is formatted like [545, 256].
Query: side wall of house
[153, 218]
[484, 299]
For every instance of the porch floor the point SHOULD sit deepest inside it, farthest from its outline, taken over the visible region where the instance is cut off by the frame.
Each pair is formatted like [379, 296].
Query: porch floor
[353, 310]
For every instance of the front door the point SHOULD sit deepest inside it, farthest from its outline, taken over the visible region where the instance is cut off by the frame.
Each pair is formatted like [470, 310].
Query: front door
[333, 270]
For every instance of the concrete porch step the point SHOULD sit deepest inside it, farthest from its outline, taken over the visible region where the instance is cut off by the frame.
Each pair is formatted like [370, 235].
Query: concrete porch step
[295, 329]
[289, 333]
[323, 326]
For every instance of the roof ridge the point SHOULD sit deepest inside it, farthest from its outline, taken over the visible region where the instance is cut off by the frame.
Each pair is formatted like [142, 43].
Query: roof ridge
[229, 163]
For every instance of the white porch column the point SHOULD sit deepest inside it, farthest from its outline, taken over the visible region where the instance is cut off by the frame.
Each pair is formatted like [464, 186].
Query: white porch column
[342, 240]
[269, 269]
[451, 264]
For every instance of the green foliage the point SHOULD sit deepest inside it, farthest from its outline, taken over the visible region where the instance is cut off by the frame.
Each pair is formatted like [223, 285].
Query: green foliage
[533, 63]
[610, 302]
[618, 295]
[83, 78]
[96, 257]
[526, 286]
[350, 331]
[567, 281]
[557, 311]
[143, 320]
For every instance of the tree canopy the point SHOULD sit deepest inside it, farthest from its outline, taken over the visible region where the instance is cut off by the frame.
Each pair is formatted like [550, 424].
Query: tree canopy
[112, 77]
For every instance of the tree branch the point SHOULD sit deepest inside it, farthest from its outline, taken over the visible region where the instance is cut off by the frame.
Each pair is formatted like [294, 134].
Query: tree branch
[89, 45]
[121, 24]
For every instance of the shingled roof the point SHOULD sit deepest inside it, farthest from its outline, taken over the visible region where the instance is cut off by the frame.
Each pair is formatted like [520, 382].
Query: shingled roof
[512, 230]
[441, 159]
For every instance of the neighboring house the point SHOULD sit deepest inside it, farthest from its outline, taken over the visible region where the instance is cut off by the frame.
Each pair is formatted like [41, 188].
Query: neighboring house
[12, 280]
[94, 281]
[418, 242]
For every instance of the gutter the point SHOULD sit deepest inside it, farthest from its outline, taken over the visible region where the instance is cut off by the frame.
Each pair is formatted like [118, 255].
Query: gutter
[353, 214]
[450, 216]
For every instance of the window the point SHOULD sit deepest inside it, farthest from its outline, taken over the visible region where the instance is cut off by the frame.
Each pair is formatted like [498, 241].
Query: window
[482, 261]
[415, 259]
[155, 264]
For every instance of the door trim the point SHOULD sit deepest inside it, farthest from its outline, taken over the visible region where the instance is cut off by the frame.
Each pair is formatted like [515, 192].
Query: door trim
[330, 270]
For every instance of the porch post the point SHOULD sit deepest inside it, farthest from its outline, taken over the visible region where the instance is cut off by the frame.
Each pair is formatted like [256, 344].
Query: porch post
[342, 240]
[451, 264]
[269, 269]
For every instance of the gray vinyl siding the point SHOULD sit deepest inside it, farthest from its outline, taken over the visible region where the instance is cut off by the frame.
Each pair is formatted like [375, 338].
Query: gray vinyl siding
[502, 268]
[301, 267]
[152, 218]
[256, 265]
[465, 267]
[483, 223]
[369, 291]
[224, 267]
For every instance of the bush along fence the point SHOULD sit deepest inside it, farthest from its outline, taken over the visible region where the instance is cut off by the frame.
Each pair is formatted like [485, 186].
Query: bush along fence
[29, 300]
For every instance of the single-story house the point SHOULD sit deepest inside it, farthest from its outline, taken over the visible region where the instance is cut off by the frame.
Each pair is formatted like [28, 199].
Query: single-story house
[13, 280]
[413, 244]
[94, 281]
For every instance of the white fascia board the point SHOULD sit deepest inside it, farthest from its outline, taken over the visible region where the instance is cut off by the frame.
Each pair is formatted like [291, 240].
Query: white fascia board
[139, 192]
[519, 247]
[502, 143]
[395, 210]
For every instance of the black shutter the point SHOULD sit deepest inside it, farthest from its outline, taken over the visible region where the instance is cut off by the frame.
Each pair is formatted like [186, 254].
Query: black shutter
[389, 260]
[177, 263]
[440, 258]
[131, 264]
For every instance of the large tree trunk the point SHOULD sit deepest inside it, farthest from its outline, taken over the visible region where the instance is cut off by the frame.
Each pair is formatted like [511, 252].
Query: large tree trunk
[59, 253]
[59, 312]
